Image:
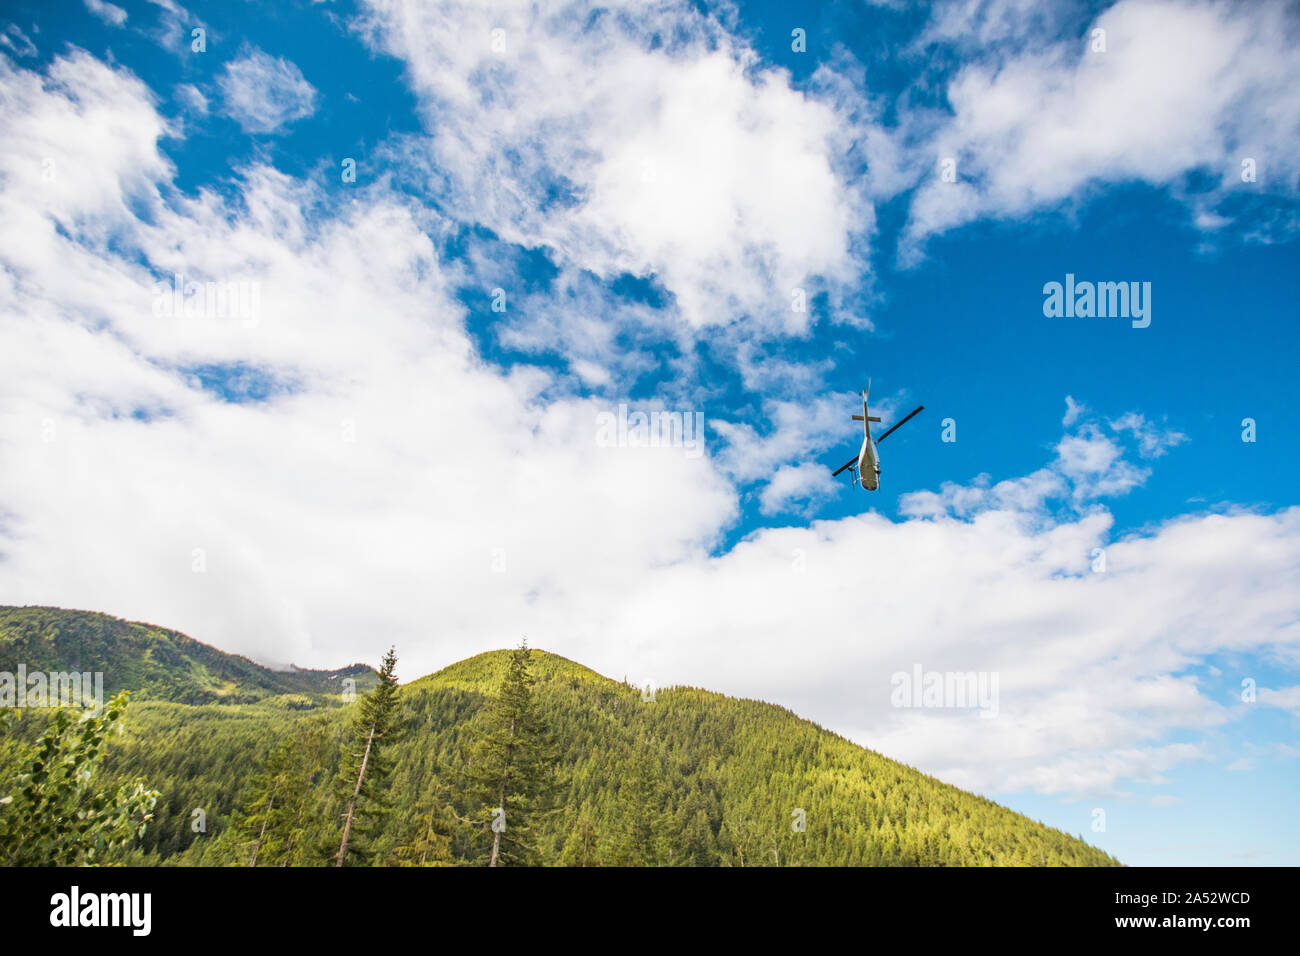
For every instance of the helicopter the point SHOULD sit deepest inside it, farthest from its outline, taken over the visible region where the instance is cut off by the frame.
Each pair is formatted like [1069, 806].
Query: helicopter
[866, 465]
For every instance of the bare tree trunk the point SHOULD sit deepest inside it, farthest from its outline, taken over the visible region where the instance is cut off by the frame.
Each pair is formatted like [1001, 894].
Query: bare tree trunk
[496, 834]
[496, 848]
[352, 806]
[257, 847]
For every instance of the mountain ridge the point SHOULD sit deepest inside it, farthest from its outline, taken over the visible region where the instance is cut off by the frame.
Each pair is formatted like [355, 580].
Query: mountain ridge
[729, 772]
[151, 661]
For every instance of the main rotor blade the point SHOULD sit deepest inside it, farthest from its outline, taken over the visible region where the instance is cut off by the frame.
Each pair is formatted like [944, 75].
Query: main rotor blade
[851, 461]
[919, 409]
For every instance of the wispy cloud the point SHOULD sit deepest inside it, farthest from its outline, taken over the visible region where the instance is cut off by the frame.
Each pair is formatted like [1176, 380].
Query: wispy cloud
[1153, 440]
[1284, 698]
[108, 12]
[17, 42]
[1148, 91]
[264, 93]
[582, 130]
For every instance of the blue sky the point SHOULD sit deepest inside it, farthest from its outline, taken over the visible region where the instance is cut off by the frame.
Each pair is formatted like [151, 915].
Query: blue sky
[379, 453]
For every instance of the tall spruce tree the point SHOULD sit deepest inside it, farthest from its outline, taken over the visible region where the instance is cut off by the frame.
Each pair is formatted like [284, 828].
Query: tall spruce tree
[257, 829]
[582, 846]
[272, 828]
[435, 823]
[511, 769]
[752, 840]
[367, 768]
[641, 811]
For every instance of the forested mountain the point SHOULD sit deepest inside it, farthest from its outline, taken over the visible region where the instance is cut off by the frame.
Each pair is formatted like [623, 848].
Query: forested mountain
[152, 662]
[689, 778]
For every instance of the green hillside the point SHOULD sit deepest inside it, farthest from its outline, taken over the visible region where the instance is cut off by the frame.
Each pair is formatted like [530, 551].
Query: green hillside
[707, 779]
[152, 662]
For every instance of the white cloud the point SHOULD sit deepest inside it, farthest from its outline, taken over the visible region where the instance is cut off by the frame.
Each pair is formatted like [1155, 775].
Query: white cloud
[451, 460]
[43, 129]
[174, 27]
[1091, 665]
[635, 138]
[982, 24]
[1073, 410]
[576, 318]
[263, 93]
[1153, 440]
[108, 12]
[1182, 86]
[1095, 465]
[591, 373]
[192, 98]
[18, 42]
[1088, 466]
[807, 484]
[1285, 698]
[799, 430]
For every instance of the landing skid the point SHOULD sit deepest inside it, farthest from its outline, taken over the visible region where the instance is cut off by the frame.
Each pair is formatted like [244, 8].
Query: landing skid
[857, 478]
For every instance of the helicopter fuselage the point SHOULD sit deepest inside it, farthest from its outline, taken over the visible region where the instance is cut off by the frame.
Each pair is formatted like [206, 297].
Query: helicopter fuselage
[868, 465]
